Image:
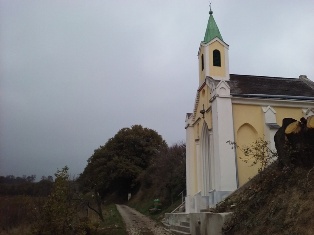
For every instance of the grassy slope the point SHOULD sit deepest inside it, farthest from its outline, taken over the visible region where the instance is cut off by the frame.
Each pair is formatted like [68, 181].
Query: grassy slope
[277, 201]
[113, 224]
[143, 201]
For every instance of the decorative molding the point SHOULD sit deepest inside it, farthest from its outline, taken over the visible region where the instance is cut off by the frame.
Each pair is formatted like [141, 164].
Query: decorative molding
[197, 121]
[213, 98]
[273, 102]
[224, 84]
[269, 114]
[209, 109]
[273, 126]
[308, 112]
[265, 109]
[214, 40]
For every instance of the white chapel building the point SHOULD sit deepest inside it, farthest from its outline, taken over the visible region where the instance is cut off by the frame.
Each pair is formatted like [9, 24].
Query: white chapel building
[231, 107]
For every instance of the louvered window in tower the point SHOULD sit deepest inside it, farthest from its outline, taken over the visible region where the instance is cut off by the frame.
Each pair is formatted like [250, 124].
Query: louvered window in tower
[202, 62]
[216, 58]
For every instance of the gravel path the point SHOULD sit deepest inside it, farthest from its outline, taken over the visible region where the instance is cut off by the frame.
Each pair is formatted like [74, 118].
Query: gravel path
[139, 224]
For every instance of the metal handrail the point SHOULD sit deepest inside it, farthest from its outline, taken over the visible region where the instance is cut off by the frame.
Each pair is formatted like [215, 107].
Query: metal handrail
[178, 207]
[182, 195]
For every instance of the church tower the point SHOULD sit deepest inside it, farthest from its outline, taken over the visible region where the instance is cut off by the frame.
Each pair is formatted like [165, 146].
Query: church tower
[211, 162]
[213, 53]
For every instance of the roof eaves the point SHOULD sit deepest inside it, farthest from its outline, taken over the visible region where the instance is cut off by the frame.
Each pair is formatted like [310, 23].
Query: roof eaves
[213, 40]
[256, 76]
[307, 81]
[265, 96]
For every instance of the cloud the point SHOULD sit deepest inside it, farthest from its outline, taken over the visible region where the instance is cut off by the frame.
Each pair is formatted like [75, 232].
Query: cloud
[72, 73]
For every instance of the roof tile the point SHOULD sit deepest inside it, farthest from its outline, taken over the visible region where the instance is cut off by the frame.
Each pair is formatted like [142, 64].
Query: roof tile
[261, 85]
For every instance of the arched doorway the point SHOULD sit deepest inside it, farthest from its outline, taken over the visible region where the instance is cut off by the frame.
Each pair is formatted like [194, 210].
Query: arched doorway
[206, 160]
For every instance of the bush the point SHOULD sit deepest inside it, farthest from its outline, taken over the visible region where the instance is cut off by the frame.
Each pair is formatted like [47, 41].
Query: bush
[60, 213]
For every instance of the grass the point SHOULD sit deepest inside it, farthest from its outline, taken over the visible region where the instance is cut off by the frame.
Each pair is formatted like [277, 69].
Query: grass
[113, 224]
[143, 206]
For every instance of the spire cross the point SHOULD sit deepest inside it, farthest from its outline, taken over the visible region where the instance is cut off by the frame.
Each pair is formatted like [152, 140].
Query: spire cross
[210, 8]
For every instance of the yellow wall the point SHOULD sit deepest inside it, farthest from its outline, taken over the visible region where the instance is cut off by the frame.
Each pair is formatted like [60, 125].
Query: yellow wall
[214, 70]
[246, 135]
[286, 112]
[248, 125]
[252, 114]
[204, 96]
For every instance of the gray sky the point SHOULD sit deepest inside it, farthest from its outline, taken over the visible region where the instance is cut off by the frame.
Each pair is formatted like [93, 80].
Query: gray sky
[72, 73]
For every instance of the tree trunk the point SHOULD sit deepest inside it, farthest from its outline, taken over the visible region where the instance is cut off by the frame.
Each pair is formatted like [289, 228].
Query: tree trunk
[98, 211]
[280, 142]
[295, 142]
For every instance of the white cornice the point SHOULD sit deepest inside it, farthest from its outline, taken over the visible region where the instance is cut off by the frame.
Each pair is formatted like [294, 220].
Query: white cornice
[196, 104]
[214, 40]
[197, 121]
[308, 111]
[221, 83]
[273, 102]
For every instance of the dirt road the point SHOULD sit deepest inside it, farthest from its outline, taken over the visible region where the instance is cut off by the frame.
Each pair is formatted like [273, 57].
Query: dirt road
[139, 224]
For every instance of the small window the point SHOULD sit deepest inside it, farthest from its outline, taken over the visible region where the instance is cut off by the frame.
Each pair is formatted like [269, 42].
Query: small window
[216, 58]
[202, 62]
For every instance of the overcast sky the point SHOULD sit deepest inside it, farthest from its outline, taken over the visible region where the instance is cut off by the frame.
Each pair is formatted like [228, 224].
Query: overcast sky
[73, 73]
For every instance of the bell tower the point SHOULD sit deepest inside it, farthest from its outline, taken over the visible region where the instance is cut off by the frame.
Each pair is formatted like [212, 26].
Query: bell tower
[213, 53]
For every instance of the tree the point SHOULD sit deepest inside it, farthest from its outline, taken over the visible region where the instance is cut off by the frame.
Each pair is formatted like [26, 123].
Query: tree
[115, 166]
[295, 141]
[259, 153]
[166, 174]
[59, 215]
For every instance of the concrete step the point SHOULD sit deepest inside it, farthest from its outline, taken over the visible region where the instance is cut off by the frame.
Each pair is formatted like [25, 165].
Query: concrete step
[182, 228]
[177, 232]
[186, 224]
[166, 225]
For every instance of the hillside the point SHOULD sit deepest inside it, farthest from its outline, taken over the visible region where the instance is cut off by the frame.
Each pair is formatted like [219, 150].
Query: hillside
[280, 199]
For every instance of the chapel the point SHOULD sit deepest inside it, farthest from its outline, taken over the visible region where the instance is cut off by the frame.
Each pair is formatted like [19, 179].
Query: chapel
[233, 108]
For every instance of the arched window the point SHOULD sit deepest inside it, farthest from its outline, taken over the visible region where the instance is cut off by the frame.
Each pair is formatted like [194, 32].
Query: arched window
[246, 135]
[202, 62]
[216, 58]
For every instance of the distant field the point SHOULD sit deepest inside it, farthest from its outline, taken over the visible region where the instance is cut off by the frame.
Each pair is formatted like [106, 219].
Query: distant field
[16, 213]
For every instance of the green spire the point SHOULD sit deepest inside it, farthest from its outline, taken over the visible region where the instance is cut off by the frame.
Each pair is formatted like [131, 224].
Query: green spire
[212, 30]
